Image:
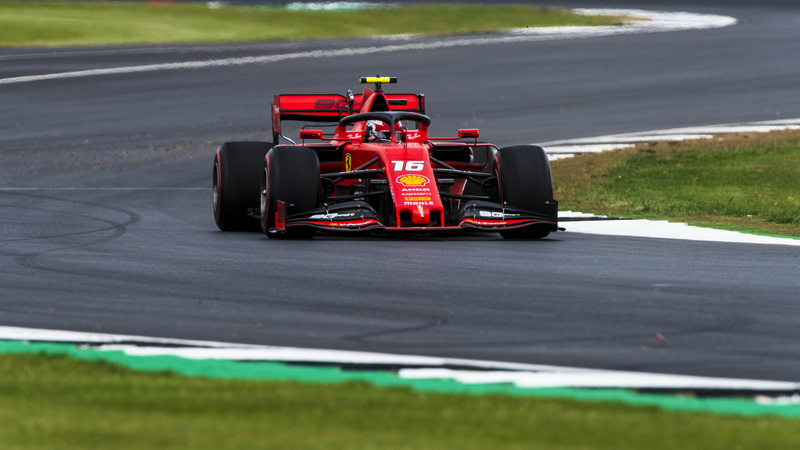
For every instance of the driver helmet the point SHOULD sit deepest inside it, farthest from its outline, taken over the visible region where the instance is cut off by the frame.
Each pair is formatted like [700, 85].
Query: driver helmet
[376, 130]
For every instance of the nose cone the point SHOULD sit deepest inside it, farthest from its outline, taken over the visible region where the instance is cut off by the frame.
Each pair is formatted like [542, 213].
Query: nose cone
[421, 215]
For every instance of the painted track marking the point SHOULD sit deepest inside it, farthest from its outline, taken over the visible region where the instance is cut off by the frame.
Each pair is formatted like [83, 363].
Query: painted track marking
[654, 22]
[655, 228]
[411, 367]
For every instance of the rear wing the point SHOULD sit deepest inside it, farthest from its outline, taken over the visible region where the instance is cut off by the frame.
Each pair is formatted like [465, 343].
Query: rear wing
[332, 107]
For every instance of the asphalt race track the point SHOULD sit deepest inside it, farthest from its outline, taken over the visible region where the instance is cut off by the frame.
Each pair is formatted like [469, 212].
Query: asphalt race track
[106, 224]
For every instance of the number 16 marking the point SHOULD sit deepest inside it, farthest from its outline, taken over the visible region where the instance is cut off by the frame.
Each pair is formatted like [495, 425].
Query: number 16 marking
[410, 166]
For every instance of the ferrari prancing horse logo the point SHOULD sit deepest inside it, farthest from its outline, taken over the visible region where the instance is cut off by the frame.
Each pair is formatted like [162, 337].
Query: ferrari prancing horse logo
[348, 162]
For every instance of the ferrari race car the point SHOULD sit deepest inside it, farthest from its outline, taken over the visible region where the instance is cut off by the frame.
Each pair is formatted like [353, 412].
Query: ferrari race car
[379, 171]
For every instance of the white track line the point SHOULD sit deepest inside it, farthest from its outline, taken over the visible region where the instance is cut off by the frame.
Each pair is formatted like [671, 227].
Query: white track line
[570, 147]
[656, 229]
[653, 22]
[523, 375]
[597, 379]
[662, 229]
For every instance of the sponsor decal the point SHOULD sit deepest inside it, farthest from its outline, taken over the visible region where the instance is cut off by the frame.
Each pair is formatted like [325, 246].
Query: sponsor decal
[417, 203]
[348, 162]
[413, 180]
[333, 103]
[333, 216]
[325, 103]
[485, 223]
[417, 199]
[409, 166]
[360, 223]
[497, 223]
[495, 215]
[415, 190]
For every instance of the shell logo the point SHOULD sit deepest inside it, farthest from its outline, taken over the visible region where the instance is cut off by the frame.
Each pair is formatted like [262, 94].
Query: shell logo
[413, 180]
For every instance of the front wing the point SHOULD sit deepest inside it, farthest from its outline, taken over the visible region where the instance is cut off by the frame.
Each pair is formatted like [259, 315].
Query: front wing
[358, 216]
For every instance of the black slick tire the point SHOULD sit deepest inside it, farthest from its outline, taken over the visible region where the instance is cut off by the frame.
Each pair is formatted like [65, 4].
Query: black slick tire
[524, 182]
[237, 166]
[290, 175]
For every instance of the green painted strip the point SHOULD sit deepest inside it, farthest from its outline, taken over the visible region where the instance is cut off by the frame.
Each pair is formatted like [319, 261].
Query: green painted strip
[274, 371]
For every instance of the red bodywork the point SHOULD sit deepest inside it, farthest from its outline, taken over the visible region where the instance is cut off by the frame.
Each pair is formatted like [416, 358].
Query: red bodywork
[425, 192]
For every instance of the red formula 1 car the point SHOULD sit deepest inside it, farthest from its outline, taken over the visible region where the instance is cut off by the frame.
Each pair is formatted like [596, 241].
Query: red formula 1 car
[379, 171]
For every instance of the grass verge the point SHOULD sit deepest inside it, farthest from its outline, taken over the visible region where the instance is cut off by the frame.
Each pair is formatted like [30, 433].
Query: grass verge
[742, 182]
[60, 402]
[115, 23]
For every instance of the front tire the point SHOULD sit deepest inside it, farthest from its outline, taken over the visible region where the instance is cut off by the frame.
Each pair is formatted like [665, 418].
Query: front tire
[235, 184]
[290, 175]
[524, 182]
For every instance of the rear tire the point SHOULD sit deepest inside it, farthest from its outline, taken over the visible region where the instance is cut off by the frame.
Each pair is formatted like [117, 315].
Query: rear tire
[237, 166]
[524, 182]
[290, 175]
